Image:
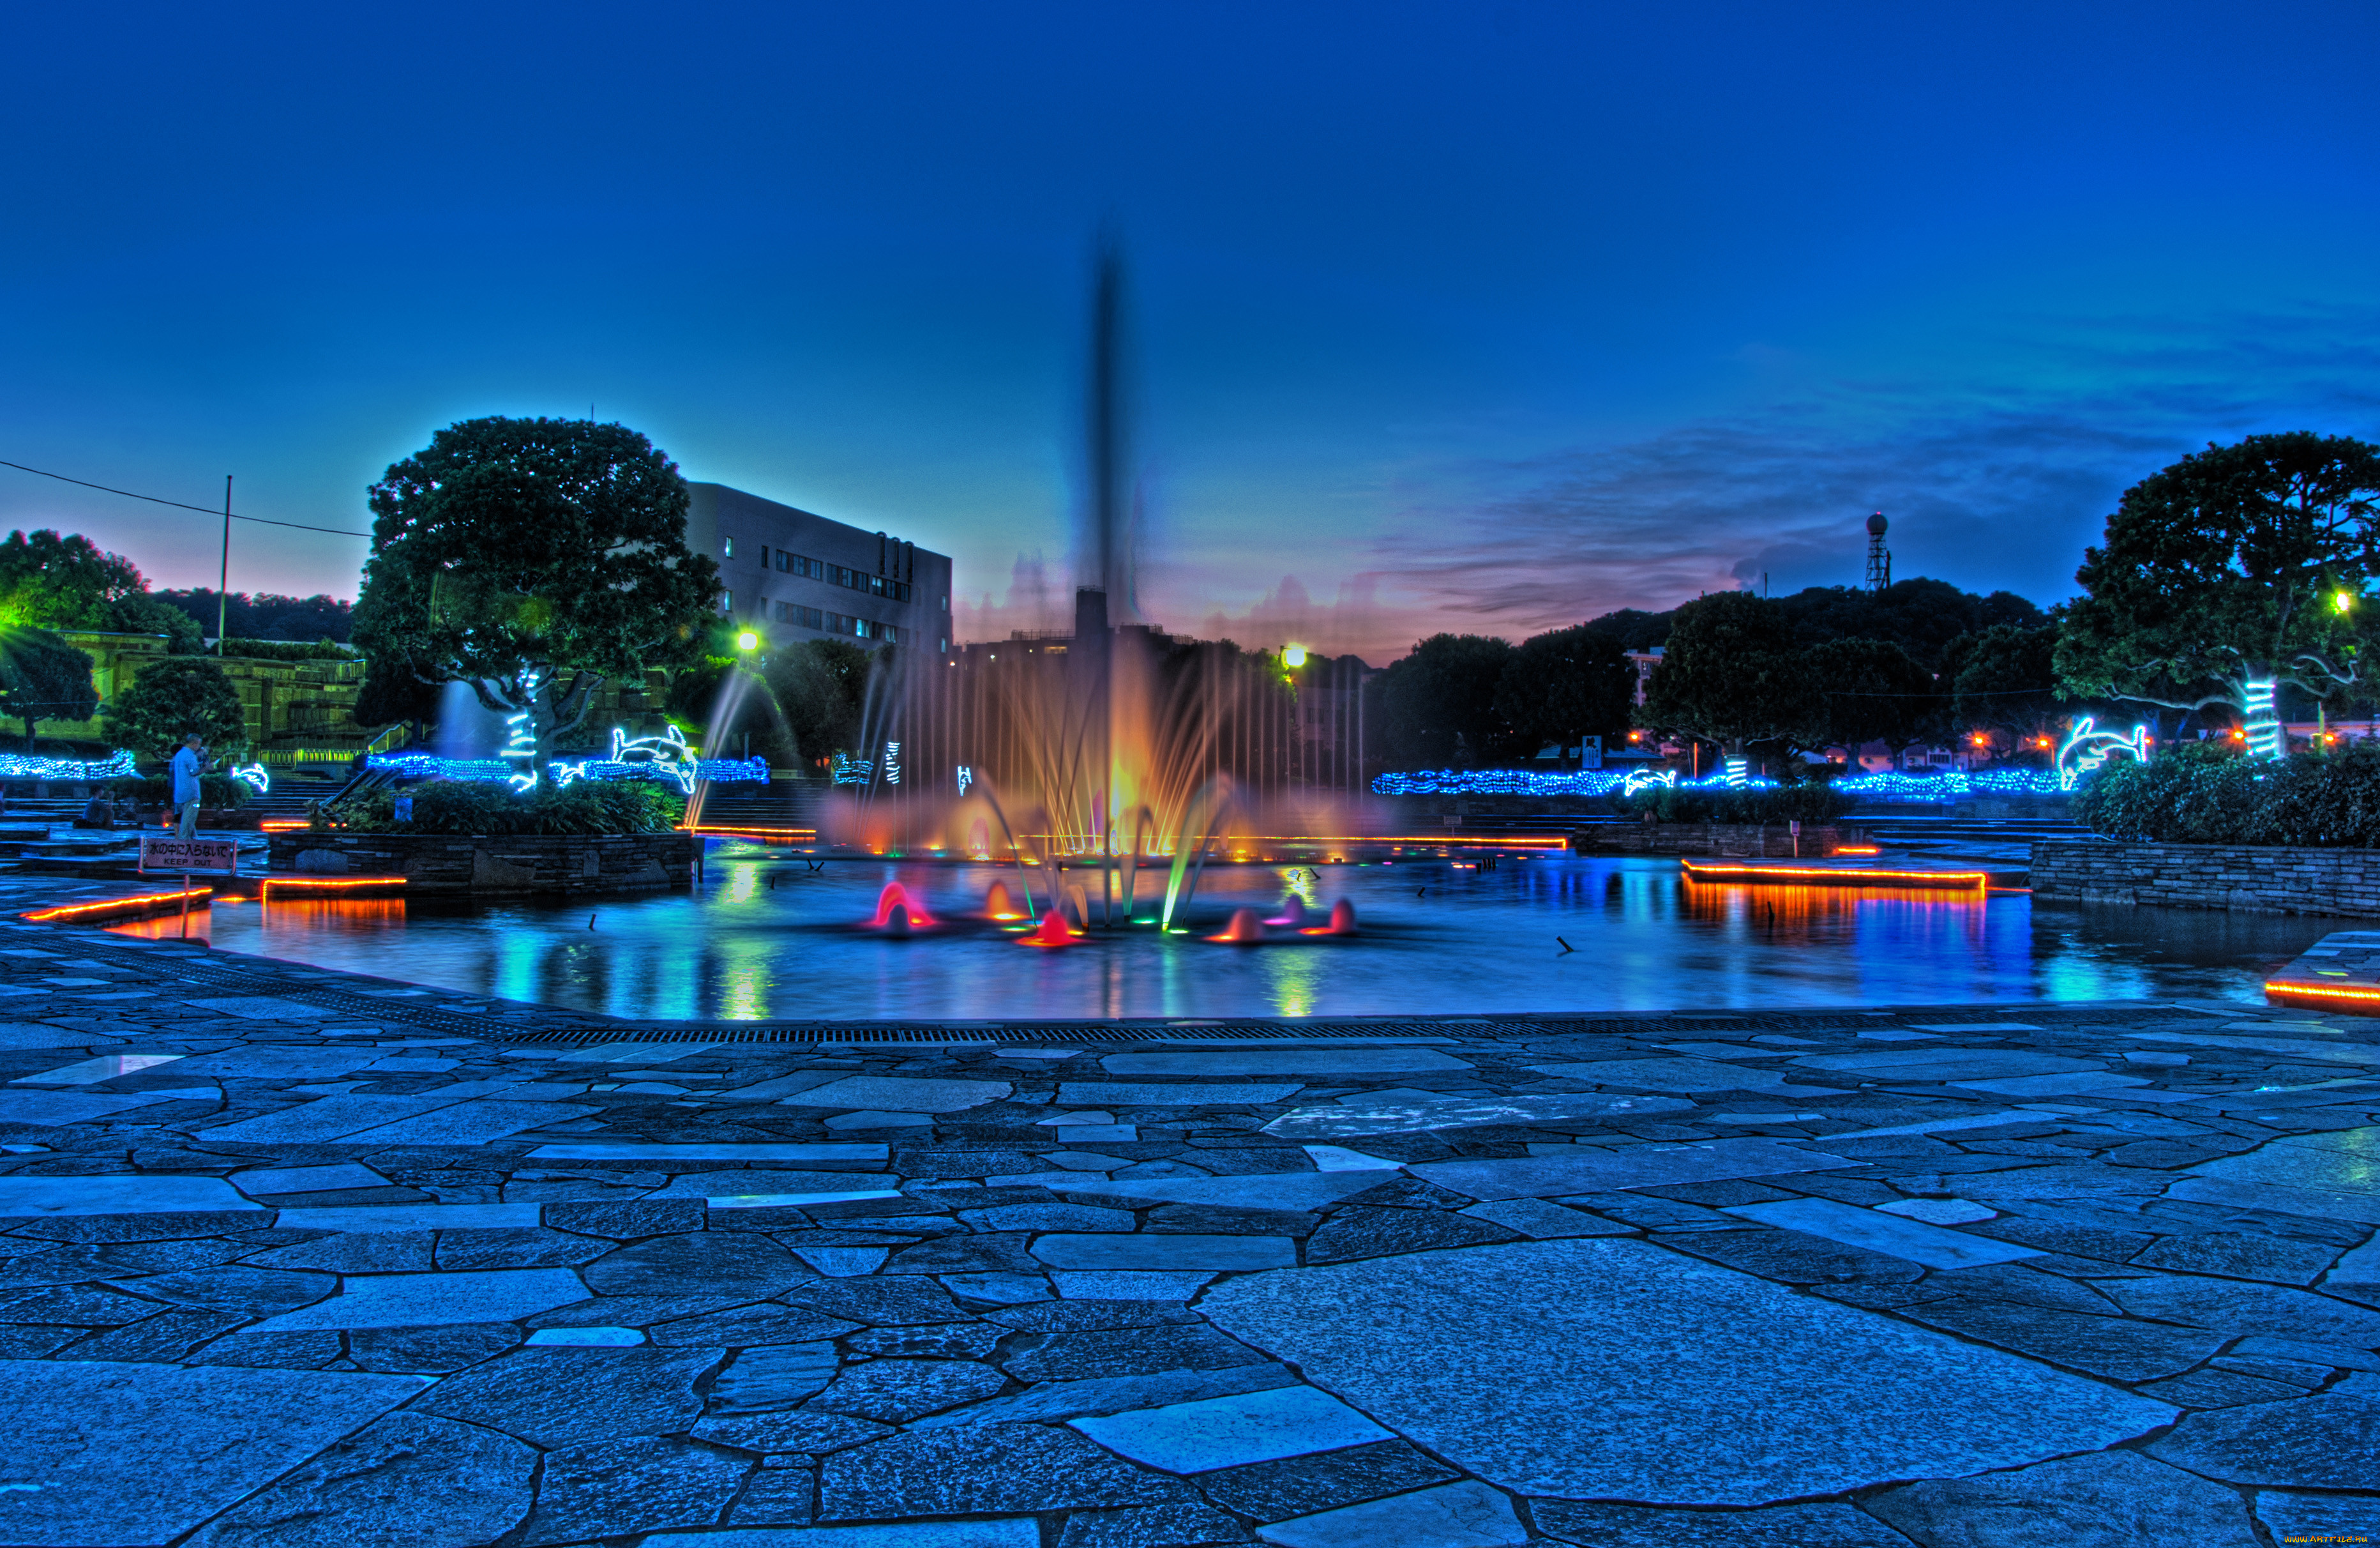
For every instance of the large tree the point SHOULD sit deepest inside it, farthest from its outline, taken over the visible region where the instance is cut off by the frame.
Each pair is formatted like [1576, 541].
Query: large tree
[1565, 684]
[1435, 708]
[2235, 570]
[68, 583]
[42, 678]
[1734, 673]
[2002, 680]
[535, 560]
[1875, 691]
[172, 697]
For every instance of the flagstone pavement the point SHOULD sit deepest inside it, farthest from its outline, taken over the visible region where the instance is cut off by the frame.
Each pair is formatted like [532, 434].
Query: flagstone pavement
[289, 1260]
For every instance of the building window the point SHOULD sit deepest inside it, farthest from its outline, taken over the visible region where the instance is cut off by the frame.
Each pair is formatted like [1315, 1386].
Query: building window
[892, 636]
[727, 601]
[728, 548]
[945, 646]
[764, 555]
[946, 602]
[900, 591]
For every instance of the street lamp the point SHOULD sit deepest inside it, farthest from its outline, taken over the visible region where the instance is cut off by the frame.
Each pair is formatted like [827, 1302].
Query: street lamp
[2343, 600]
[747, 641]
[1292, 656]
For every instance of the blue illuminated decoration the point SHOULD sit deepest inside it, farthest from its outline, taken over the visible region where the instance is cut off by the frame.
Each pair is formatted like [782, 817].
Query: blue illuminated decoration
[1949, 785]
[1734, 772]
[17, 765]
[967, 777]
[255, 777]
[852, 771]
[892, 763]
[1521, 782]
[2087, 748]
[521, 742]
[2264, 722]
[665, 757]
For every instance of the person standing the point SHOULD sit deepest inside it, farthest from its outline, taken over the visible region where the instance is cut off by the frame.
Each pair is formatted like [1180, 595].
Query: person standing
[186, 765]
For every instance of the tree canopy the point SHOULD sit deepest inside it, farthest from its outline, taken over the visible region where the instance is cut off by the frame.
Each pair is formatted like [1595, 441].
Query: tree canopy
[266, 616]
[1875, 691]
[1436, 707]
[2227, 568]
[1565, 684]
[1733, 672]
[42, 678]
[67, 582]
[172, 697]
[2003, 680]
[534, 559]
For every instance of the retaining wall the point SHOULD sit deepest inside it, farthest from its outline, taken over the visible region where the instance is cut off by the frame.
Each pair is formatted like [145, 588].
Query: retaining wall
[2251, 879]
[448, 864]
[1744, 840]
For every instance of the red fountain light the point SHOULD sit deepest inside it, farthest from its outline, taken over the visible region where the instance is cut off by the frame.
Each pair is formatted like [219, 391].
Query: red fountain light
[1342, 919]
[998, 905]
[1052, 933]
[897, 913]
[1245, 930]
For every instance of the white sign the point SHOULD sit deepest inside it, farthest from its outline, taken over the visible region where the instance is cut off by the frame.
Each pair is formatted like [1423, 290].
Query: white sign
[190, 854]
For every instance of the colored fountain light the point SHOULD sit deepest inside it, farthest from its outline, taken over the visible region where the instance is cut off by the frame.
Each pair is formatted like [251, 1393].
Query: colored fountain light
[998, 905]
[1053, 931]
[1245, 930]
[897, 913]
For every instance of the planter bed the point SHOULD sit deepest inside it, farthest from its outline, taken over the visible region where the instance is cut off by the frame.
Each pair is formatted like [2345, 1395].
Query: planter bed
[562, 865]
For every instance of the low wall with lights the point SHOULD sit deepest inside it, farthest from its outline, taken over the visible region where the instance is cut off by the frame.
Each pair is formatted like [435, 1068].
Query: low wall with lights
[1771, 840]
[106, 911]
[2244, 878]
[567, 865]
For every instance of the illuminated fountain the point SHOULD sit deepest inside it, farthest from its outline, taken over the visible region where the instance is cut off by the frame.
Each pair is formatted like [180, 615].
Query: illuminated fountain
[1116, 759]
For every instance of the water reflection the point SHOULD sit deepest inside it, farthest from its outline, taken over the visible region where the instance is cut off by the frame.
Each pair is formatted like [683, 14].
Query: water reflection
[769, 938]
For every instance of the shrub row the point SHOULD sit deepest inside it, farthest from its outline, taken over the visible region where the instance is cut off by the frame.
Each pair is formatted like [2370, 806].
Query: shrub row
[2204, 795]
[216, 791]
[456, 806]
[1812, 802]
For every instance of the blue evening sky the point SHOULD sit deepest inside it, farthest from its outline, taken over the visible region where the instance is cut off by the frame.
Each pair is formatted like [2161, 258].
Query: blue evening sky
[1486, 316]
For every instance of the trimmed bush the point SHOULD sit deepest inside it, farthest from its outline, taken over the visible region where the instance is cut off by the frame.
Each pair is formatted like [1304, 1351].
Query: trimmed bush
[216, 791]
[480, 807]
[1813, 802]
[2215, 796]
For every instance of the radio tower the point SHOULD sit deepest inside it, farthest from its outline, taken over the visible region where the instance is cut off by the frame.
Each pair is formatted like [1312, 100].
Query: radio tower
[1880, 558]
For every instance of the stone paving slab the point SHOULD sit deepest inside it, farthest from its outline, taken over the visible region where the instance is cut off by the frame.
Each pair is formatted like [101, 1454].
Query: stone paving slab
[761, 1287]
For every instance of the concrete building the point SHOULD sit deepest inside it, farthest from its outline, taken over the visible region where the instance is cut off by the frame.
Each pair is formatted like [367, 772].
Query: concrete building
[793, 575]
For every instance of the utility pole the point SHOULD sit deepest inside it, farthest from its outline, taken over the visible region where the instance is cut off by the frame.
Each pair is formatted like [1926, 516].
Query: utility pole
[222, 577]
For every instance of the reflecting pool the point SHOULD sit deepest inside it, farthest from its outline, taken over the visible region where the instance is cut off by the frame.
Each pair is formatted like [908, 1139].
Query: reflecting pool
[767, 937]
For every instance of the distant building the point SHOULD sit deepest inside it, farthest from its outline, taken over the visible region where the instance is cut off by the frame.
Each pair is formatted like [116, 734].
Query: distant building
[795, 575]
[1643, 662]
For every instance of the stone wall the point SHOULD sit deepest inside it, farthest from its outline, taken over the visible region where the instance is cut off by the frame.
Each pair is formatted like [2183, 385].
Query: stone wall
[1745, 840]
[2233, 876]
[445, 864]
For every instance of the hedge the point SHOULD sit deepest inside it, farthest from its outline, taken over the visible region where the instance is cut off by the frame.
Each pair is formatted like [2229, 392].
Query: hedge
[2213, 796]
[456, 806]
[1812, 802]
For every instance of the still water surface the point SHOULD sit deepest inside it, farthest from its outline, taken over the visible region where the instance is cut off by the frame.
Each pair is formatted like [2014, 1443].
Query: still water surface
[767, 938]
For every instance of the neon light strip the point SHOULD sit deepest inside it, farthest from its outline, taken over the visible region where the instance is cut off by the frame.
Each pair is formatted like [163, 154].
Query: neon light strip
[144, 904]
[284, 824]
[790, 836]
[324, 883]
[2319, 991]
[1962, 879]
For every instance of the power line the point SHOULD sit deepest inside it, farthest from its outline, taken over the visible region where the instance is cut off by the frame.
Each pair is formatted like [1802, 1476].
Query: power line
[261, 521]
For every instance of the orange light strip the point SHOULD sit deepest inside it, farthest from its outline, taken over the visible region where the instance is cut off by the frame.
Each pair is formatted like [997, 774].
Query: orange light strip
[2318, 990]
[1962, 880]
[1857, 849]
[284, 824]
[788, 835]
[324, 883]
[145, 903]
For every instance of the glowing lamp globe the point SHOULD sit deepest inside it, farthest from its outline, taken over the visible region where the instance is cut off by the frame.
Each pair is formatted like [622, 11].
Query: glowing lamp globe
[2343, 600]
[747, 641]
[1294, 656]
